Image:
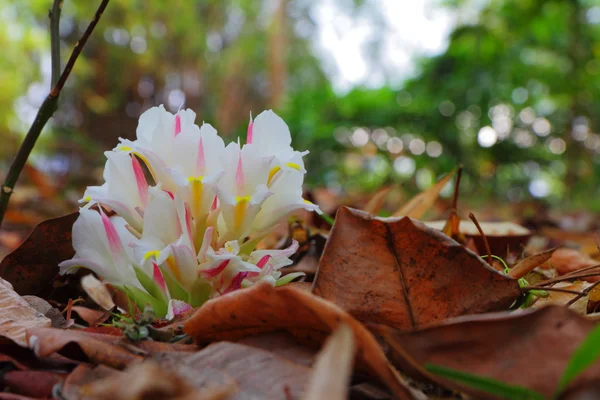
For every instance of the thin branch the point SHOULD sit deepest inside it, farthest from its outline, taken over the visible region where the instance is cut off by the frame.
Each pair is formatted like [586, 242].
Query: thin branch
[77, 50]
[45, 112]
[456, 187]
[54, 16]
[541, 285]
[585, 291]
[485, 241]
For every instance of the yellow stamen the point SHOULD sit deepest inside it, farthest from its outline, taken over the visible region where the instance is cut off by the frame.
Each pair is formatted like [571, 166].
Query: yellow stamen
[239, 210]
[151, 253]
[141, 157]
[308, 201]
[276, 169]
[197, 190]
[87, 199]
[173, 268]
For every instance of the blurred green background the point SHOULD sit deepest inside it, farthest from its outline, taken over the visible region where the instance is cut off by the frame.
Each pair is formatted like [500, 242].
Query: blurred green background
[381, 92]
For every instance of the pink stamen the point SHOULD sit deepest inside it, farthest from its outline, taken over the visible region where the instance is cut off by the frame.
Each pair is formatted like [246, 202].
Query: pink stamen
[263, 261]
[236, 282]
[111, 234]
[200, 162]
[212, 272]
[158, 277]
[177, 124]
[239, 176]
[250, 129]
[188, 219]
[205, 243]
[140, 180]
[215, 204]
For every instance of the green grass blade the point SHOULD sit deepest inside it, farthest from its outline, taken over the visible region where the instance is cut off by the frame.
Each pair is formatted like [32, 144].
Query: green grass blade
[582, 357]
[484, 384]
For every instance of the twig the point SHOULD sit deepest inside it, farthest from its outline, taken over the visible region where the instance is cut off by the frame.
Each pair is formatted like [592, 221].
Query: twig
[54, 16]
[584, 292]
[579, 271]
[46, 111]
[541, 285]
[485, 241]
[456, 187]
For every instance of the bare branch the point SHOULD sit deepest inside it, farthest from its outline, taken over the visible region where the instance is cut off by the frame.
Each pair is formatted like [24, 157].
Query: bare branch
[45, 112]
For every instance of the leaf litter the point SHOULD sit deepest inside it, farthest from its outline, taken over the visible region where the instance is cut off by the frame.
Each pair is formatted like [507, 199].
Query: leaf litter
[392, 308]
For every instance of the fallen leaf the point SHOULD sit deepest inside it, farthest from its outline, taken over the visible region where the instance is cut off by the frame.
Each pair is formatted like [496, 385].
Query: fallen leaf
[526, 265]
[34, 264]
[32, 383]
[283, 344]
[566, 260]
[262, 308]
[562, 298]
[143, 381]
[376, 202]
[421, 203]
[333, 368]
[503, 237]
[401, 273]
[97, 291]
[17, 315]
[81, 346]
[254, 373]
[91, 317]
[511, 348]
[43, 307]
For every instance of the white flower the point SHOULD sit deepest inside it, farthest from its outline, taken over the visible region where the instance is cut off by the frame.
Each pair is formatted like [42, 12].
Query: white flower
[191, 235]
[101, 245]
[125, 189]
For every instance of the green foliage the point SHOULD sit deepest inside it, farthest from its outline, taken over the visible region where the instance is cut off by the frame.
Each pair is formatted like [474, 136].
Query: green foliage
[586, 354]
[487, 385]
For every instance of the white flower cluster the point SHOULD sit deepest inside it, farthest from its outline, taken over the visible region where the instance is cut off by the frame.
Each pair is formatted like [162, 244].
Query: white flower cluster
[191, 235]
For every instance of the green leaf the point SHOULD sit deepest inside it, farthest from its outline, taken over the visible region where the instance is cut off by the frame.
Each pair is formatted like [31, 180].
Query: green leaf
[582, 357]
[141, 299]
[199, 293]
[176, 291]
[288, 278]
[484, 384]
[151, 286]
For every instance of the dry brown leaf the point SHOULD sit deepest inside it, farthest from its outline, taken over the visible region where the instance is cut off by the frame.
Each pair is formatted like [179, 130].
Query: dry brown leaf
[91, 317]
[421, 203]
[562, 298]
[253, 373]
[566, 260]
[530, 348]
[401, 273]
[503, 237]
[528, 264]
[146, 380]
[34, 264]
[81, 346]
[262, 308]
[333, 368]
[284, 345]
[97, 291]
[17, 315]
[376, 202]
